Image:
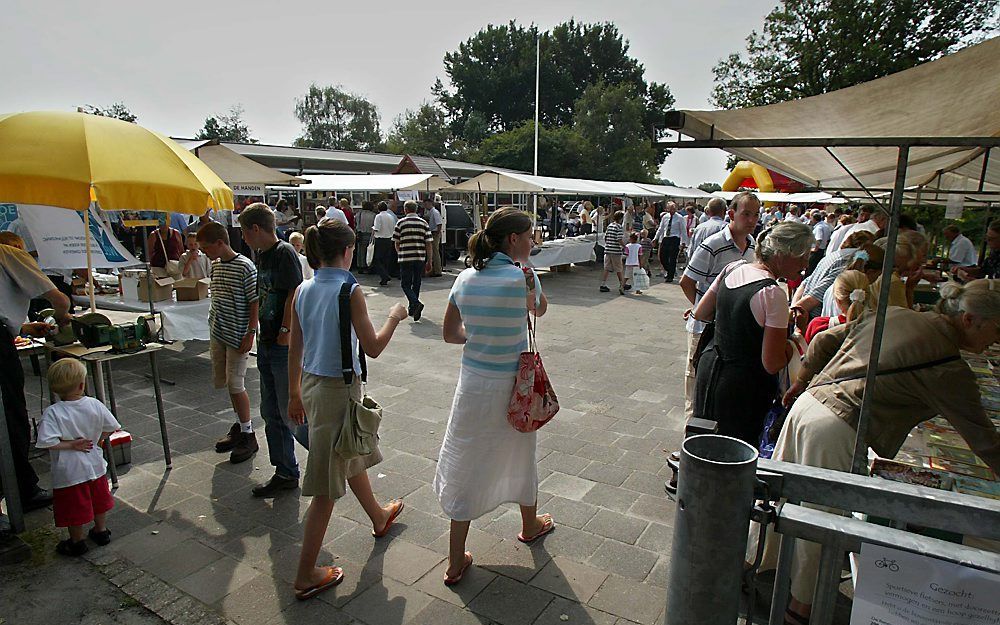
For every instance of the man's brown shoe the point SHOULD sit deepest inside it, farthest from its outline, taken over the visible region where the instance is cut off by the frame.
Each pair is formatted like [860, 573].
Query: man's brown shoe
[246, 447]
[227, 442]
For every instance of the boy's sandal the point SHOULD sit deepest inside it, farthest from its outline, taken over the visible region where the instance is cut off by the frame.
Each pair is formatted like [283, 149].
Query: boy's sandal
[101, 538]
[334, 575]
[547, 526]
[396, 511]
[451, 581]
[69, 548]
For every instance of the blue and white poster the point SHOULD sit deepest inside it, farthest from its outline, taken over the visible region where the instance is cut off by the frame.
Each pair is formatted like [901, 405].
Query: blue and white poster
[58, 237]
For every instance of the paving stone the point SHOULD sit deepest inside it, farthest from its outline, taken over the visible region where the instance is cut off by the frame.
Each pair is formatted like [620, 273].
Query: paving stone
[605, 473]
[569, 512]
[574, 613]
[565, 444]
[572, 543]
[256, 601]
[600, 437]
[140, 546]
[419, 527]
[624, 560]
[357, 579]
[601, 453]
[659, 509]
[569, 579]
[657, 537]
[617, 526]
[515, 559]
[387, 602]
[218, 579]
[636, 602]
[510, 602]
[473, 582]
[660, 574]
[646, 483]
[442, 613]
[611, 497]
[641, 461]
[181, 560]
[404, 562]
[643, 444]
[564, 463]
[568, 486]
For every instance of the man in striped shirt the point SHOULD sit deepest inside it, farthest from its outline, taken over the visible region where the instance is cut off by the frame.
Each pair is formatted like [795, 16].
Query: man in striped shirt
[707, 261]
[613, 253]
[414, 242]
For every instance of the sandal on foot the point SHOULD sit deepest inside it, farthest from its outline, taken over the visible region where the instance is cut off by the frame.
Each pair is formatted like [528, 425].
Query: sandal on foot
[69, 548]
[451, 581]
[334, 575]
[396, 511]
[100, 538]
[547, 526]
[794, 618]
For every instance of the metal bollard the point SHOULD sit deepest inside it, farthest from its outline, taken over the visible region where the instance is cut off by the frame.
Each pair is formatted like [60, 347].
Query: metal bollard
[714, 499]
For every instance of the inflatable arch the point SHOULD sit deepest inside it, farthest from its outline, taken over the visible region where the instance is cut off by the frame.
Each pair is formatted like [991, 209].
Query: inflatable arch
[749, 169]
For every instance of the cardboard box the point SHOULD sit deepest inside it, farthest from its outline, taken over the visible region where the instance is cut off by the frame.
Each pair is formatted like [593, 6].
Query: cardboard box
[191, 289]
[121, 447]
[134, 288]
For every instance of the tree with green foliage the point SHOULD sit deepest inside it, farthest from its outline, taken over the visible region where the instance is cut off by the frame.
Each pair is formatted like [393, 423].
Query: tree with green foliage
[610, 120]
[118, 110]
[227, 127]
[809, 47]
[335, 119]
[710, 187]
[561, 150]
[423, 132]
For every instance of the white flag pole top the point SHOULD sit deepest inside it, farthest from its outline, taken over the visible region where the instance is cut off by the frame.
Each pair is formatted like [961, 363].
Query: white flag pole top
[538, 66]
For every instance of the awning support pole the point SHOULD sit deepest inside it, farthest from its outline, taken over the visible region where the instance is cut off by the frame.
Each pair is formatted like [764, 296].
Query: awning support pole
[855, 178]
[860, 464]
[986, 164]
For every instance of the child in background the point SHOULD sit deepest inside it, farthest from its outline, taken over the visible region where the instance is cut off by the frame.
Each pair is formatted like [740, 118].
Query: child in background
[194, 263]
[72, 430]
[232, 321]
[647, 251]
[633, 270]
[297, 240]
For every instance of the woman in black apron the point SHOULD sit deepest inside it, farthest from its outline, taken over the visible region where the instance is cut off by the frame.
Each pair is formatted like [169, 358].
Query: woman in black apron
[736, 379]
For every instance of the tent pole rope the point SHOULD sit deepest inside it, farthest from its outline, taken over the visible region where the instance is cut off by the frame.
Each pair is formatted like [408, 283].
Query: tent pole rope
[860, 463]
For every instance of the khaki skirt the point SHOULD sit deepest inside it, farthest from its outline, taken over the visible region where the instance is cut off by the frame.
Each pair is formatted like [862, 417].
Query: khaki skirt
[325, 400]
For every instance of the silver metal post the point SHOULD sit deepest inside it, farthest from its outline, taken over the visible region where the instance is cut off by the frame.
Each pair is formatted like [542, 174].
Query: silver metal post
[714, 499]
[155, 370]
[831, 561]
[860, 464]
[782, 578]
[9, 478]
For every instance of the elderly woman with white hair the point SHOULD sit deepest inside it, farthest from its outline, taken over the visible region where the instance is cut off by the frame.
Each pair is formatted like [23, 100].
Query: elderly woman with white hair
[921, 375]
[736, 379]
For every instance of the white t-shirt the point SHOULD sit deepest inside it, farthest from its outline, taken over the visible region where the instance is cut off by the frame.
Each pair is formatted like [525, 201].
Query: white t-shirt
[199, 268]
[68, 420]
[631, 253]
[307, 271]
[335, 213]
[769, 305]
[385, 223]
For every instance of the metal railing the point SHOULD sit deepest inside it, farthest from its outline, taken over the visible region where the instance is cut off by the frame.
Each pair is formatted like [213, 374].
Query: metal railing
[713, 490]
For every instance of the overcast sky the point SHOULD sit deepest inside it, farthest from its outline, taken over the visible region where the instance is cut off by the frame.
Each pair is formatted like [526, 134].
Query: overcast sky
[174, 63]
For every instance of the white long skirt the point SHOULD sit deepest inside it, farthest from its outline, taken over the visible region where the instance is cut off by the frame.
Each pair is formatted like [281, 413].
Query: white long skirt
[484, 461]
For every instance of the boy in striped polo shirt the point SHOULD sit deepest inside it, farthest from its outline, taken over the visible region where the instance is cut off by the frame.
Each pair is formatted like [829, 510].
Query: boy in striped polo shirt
[232, 321]
[414, 243]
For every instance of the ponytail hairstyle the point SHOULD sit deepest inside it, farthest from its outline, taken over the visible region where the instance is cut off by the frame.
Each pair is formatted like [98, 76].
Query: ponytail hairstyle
[852, 286]
[980, 298]
[492, 239]
[327, 241]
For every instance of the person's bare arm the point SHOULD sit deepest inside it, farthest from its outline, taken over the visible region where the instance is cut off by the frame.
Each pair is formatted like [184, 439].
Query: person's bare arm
[60, 303]
[705, 310]
[296, 411]
[453, 329]
[689, 286]
[247, 343]
[371, 341]
[774, 349]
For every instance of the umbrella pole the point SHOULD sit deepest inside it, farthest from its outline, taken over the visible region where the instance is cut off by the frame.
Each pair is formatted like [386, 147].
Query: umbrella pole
[90, 262]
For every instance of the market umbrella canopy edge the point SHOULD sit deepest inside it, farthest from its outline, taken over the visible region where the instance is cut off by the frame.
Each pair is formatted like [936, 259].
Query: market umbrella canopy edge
[69, 159]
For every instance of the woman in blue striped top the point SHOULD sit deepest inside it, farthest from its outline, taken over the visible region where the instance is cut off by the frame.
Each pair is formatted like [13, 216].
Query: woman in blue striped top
[484, 461]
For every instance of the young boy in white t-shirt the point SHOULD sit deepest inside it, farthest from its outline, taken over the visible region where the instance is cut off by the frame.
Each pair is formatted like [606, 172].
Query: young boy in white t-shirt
[632, 253]
[194, 263]
[72, 430]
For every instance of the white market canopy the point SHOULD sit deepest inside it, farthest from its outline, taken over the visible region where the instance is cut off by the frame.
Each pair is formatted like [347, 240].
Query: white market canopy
[372, 182]
[236, 169]
[787, 198]
[509, 182]
[954, 96]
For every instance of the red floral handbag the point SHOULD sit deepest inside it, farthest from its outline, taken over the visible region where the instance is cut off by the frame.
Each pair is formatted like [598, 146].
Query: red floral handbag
[533, 402]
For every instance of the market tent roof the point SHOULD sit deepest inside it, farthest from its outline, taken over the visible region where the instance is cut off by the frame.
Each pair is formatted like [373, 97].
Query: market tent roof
[662, 190]
[954, 96]
[787, 198]
[509, 182]
[235, 168]
[374, 182]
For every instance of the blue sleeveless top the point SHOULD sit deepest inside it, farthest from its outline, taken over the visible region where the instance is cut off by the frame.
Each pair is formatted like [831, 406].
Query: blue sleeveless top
[319, 315]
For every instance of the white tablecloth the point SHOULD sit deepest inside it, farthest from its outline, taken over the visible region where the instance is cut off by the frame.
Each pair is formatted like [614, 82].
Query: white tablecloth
[182, 321]
[564, 251]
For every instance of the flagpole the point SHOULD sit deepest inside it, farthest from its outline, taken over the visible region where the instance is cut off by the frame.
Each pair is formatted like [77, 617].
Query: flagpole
[538, 65]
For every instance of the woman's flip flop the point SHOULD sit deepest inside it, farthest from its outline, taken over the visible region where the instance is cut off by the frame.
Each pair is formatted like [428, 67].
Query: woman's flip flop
[334, 575]
[547, 526]
[451, 581]
[396, 511]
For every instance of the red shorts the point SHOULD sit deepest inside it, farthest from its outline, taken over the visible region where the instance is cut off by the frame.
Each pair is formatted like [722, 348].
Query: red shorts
[77, 505]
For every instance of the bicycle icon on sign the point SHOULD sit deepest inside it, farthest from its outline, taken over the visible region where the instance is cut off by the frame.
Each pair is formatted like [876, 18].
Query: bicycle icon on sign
[887, 564]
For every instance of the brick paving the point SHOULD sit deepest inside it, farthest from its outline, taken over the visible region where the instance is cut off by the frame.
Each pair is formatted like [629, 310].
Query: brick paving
[617, 364]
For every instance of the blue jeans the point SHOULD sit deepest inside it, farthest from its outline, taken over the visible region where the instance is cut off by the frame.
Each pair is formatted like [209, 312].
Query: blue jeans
[410, 274]
[280, 432]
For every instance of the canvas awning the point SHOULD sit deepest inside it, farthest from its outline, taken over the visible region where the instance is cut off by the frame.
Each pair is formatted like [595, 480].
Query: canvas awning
[508, 182]
[375, 182]
[953, 97]
[787, 198]
[236, 169]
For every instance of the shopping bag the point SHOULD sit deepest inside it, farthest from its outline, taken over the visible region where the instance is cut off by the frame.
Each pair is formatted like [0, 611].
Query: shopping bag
[370, 253]
[533, 401]
[359, 433]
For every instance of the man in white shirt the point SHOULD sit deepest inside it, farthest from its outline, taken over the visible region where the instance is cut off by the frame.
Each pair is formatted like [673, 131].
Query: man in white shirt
[382, 229]
[670, 235]
[821, 232]
[436, 224]
[333, 212]
[962, 252]
[867, 220]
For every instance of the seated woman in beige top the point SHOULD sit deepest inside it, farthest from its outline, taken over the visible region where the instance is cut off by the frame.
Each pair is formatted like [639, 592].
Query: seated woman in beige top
[821, 426]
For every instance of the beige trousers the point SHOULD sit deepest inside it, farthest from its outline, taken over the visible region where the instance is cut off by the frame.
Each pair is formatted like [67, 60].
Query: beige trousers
[436, 258]
[689, 377]
[813, 436]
